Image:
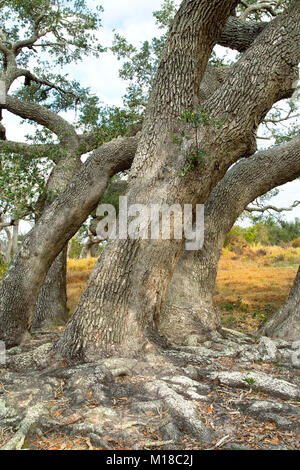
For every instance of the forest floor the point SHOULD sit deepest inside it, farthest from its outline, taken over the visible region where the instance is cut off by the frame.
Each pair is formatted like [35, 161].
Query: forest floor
[233, 392]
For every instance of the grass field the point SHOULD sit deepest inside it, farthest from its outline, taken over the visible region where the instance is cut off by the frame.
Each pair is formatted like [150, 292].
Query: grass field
[252, 283]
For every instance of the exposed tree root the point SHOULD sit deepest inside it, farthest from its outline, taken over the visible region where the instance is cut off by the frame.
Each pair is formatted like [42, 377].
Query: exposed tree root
[183, 411]
[32, 417]
[183, 398]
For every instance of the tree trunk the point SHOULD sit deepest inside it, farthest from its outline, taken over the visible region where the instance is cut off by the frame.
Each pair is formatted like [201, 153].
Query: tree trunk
[118, 310]
[51, 307]
[7, 247]
[90, 248]
[285, 323]
[188, 308]
[59, 222]
[15, 237]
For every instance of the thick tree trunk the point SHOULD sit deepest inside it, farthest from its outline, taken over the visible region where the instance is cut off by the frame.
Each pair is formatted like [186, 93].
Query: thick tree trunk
[51, 307]
[59, 222]
[117, 312]
[285, 323]
[188, 308]
[187, 311]
[135, 273]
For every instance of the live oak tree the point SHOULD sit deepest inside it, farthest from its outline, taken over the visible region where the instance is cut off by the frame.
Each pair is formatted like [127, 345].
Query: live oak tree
[119, 312]
[119, 308]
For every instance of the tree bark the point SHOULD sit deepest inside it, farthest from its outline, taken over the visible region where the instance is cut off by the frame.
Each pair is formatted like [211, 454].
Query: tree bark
[285, 323]
[51, 307]
[7, 247]
[188, 308]
[90, 248]
[15, 237]
[58, 223]
[118, 310]
[239, 34]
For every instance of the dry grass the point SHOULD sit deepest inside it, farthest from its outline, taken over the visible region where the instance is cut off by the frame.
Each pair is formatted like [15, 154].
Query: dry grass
[77, 276]
[252, 283]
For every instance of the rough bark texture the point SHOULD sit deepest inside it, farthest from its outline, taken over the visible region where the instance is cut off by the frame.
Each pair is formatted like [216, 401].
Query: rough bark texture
[51, 307]
[135, 273]
[188, 308]
[196, 29]
[285, 324]
[59, 222]
[239, 34]
[118, 309]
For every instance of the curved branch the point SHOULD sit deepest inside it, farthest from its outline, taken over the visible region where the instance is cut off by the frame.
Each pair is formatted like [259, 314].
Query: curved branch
[272, 208]
[60, 221]
[239, 34]
[41, 115]
[258, 7]
[41, 81]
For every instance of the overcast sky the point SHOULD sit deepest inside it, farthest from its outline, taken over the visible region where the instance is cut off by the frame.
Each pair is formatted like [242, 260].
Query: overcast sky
[134, 20]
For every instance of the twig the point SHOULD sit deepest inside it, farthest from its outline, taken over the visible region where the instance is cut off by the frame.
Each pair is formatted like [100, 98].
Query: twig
[60, 426]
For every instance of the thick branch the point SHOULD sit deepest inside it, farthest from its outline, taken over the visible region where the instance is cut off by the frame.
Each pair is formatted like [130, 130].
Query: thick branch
[59, 222]
[37, 113]
[190, 293]
[239, 34]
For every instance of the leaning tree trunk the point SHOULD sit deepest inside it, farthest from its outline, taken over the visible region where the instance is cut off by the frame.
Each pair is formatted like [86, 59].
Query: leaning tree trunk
[285, 323]
[117, 312]
[188, 308]
[59, 222]
[51, 307]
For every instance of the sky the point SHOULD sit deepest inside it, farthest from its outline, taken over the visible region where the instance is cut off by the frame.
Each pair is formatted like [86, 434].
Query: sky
[133, 20]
